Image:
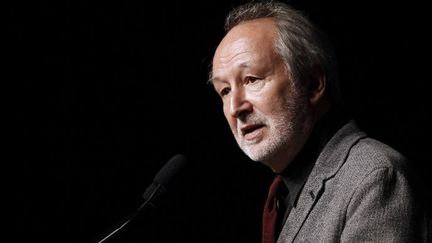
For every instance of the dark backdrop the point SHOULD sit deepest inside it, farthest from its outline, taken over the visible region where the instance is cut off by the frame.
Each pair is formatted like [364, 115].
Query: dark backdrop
[105, 93]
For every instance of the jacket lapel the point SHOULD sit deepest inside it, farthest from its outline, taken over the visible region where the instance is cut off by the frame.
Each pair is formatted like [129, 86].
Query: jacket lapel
[328, 163]
[298, 214]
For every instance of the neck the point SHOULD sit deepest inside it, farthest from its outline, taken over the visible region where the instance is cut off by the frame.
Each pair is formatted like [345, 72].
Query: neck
[322, 125]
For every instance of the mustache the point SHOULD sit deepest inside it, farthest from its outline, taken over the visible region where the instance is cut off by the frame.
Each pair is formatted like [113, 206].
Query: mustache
[251, 119]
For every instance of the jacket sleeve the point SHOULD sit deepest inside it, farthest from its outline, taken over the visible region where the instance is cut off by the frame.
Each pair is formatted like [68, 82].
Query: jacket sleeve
[383, 208]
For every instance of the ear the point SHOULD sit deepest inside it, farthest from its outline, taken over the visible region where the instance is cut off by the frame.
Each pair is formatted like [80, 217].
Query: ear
[317, 86]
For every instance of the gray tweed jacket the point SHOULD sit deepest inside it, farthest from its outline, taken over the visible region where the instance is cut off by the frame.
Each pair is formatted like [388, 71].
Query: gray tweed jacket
[358, 191]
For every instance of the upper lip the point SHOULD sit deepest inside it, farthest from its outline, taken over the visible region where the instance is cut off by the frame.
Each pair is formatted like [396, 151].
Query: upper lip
[250, 128]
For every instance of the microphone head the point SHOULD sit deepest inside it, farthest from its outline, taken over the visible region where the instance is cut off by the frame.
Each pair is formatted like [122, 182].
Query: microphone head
[163, 179]
[173, 168]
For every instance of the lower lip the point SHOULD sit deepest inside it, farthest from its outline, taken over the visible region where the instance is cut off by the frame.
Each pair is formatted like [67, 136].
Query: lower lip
[253, 135]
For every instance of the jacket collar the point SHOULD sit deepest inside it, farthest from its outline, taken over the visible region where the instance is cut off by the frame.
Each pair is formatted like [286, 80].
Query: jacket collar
[329, 161]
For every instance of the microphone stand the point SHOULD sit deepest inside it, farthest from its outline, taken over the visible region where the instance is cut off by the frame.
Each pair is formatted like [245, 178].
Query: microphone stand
[109, 234]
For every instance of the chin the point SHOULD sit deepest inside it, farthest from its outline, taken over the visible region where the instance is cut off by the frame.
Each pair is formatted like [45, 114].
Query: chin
[259, 154]
[268, 161]
[271, 154]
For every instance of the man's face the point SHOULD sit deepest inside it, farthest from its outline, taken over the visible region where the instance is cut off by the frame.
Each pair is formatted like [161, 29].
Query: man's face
[266, 114]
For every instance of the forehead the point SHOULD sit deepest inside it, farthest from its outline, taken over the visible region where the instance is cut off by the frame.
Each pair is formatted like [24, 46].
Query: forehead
[246, 43]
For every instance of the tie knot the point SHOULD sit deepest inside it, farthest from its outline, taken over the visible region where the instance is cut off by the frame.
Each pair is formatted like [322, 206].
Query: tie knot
[275, 187]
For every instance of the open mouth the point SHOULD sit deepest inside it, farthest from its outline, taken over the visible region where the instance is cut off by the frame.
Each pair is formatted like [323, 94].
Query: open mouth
[250, 130]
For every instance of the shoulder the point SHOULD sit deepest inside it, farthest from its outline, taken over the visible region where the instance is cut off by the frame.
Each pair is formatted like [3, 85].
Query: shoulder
[368, 149]
[351, 152]
[358, 160]
[373, 171]
[368, 155]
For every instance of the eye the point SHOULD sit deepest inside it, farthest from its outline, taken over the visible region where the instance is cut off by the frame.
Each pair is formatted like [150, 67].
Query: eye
[250, 79]
[223, 92]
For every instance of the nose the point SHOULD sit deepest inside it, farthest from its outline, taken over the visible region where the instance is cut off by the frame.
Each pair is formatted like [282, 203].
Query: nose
[239, 104]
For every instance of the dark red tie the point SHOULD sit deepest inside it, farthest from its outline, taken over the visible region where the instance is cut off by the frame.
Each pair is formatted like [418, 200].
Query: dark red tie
[270, 212]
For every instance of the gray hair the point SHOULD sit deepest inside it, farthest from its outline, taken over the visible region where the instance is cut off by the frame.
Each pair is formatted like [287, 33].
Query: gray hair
[302, 46]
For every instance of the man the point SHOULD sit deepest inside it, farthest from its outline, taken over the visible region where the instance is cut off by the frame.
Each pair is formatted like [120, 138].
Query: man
[276, 75]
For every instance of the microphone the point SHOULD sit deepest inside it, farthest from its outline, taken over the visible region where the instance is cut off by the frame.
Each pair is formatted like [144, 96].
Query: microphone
[153, 195]
[173, 169]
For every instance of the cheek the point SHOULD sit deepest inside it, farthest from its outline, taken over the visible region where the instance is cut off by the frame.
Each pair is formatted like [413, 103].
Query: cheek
[282, 100]
[263, 103]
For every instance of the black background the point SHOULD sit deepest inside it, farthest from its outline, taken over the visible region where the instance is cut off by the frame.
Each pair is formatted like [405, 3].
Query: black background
[105, 93]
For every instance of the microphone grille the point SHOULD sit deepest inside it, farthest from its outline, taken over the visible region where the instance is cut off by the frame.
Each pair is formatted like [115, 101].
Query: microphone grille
[174, 167]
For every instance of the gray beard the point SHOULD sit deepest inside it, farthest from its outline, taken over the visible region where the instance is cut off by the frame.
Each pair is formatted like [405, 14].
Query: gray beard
[283, 134]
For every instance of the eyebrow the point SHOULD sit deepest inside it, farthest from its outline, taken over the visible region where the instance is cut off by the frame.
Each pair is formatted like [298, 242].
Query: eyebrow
[217, 80]
[211, 78]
